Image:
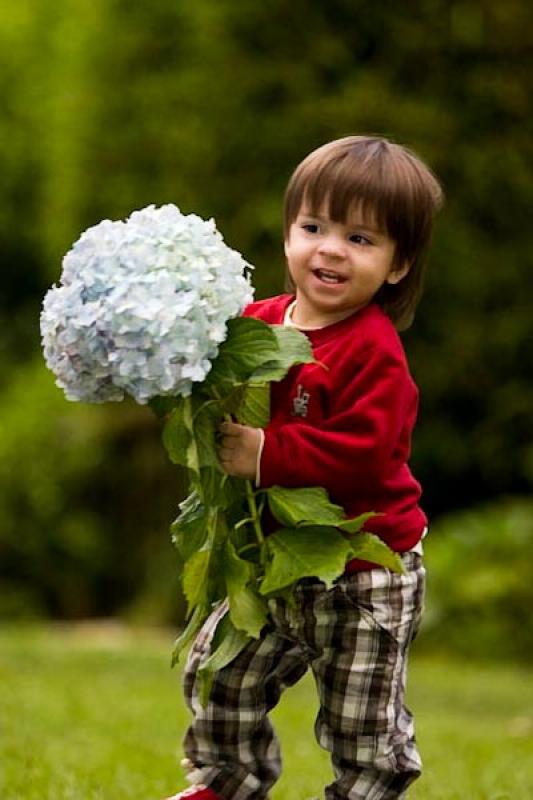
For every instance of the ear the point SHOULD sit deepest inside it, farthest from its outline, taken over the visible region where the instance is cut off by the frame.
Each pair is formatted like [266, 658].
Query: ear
[396, 274]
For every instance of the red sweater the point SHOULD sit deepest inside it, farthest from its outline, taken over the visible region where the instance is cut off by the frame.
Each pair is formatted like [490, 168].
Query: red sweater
[345, 423]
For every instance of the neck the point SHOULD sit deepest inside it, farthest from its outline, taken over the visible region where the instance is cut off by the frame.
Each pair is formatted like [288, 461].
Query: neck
[310, 318]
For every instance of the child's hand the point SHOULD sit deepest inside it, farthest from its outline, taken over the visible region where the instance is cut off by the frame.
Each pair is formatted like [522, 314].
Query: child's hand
[239, 449]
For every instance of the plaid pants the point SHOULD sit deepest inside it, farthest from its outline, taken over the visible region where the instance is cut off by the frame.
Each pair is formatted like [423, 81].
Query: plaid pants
[355, 637]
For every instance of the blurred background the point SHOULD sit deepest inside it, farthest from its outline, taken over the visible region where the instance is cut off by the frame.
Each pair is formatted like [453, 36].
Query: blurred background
[108, 106]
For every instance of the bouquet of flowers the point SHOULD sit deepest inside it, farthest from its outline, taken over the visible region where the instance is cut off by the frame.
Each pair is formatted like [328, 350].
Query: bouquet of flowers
[150, 307]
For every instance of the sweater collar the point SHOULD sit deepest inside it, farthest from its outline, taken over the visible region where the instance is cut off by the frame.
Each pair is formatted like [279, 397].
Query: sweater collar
[325, 332]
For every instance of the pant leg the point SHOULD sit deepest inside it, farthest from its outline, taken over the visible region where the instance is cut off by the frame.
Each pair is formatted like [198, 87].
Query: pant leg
[360, 674]
[231, 741]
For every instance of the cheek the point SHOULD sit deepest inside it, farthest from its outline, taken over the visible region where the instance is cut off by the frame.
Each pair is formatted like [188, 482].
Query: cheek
[292, 256]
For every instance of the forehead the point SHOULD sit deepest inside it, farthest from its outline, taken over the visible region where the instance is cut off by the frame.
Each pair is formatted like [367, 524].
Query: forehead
[355, 213]
[347, 183]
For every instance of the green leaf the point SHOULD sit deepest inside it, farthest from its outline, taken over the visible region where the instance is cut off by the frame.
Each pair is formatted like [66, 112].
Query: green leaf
[189, 434]
[218, 490]
[293, 344]
[237, 572]
[192, 450]
[355, 524]
[231, 399]
[371, 548]
[320, 552]
[178, 436]
[196, 621]
[248, 403]
[254, 408]
[249, 343]
[189, 529]
[205, 420]
[162, 406]
[227, 644]
[195, 578]
[309, 505]
[293, 348]
[247, 610]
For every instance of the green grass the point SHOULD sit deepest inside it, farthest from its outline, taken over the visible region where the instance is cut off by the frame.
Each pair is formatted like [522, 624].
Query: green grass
[95, 713]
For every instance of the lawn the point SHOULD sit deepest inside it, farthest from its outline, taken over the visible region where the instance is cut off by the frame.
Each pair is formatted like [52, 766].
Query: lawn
[94, 713]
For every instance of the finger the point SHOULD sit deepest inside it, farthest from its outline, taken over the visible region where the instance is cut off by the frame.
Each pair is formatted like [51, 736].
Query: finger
[226, 454]
[228, 444]
[230, 429]
[228, 466]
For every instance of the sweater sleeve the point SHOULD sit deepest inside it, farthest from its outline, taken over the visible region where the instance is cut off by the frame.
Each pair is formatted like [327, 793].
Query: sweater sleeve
[364, 438]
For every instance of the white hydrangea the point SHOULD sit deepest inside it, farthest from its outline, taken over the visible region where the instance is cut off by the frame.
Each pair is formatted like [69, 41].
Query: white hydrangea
[142, 306]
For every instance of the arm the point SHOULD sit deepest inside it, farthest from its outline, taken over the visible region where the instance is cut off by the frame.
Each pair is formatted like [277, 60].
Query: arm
[366, 432]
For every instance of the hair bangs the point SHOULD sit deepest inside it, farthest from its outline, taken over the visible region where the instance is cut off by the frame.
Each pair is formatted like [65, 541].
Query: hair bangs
[359, 174]
[342, 190]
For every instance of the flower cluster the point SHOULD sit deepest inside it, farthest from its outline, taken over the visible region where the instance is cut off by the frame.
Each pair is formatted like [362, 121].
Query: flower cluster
[142, 306]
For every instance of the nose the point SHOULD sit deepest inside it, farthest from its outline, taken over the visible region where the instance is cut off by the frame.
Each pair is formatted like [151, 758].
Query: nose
[332, 246]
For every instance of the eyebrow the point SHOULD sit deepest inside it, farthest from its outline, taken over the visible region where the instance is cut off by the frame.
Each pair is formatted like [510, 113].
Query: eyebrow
[359, 225]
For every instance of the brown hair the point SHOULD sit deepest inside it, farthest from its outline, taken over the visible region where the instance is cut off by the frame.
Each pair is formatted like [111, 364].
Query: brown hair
[390, 185]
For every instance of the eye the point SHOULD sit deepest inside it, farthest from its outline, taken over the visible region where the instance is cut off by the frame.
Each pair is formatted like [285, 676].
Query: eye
[310, 227]
[358, 238]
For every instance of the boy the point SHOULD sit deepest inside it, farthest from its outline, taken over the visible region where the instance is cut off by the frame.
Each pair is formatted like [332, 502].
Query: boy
[358, 218]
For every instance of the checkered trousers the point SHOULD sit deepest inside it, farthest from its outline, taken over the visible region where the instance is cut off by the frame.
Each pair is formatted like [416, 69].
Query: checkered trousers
[355, 638]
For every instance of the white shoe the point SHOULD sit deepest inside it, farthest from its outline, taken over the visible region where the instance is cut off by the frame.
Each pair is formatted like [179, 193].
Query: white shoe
[192, 773]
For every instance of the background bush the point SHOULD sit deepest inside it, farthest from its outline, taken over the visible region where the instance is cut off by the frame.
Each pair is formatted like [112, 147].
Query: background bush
[109, 106]
[480, 592]
[86, 497]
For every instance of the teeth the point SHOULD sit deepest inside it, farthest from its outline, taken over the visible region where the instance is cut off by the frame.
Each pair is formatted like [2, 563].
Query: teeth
[329, 277]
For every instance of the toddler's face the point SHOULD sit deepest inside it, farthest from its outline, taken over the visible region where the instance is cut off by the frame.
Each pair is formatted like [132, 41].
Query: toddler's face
[337, 267]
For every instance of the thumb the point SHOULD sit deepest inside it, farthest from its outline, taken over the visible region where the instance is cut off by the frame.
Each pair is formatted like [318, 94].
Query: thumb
[230, 428]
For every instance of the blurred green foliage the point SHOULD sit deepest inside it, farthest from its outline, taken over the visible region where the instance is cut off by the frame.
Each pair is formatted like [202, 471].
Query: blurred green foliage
[480, 592]
[85, 495]
[109, 106]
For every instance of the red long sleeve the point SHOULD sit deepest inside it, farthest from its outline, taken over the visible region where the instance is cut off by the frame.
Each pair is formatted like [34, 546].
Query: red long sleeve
[358, 444]
[345, 423]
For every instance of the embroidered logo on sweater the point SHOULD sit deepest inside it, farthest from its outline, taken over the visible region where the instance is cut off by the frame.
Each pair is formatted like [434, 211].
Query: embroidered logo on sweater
[300, 403]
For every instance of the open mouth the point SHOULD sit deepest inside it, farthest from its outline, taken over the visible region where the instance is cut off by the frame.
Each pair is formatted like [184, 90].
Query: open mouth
[327, 276]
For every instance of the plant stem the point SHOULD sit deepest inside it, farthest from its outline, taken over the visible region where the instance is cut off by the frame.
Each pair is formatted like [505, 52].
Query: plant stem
[192, 449]
[252, 505]
[255, 516]
[212, 521]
